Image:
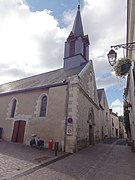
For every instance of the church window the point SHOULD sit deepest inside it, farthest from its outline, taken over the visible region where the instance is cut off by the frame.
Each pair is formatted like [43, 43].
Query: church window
[43, 106]
[72, 48]
[13, 108]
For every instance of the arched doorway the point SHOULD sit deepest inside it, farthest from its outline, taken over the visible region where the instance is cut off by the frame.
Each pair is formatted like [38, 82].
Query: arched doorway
[91, 123]
[18, 131]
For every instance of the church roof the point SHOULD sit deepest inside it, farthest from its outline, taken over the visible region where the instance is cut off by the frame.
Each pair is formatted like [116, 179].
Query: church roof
[45, 80]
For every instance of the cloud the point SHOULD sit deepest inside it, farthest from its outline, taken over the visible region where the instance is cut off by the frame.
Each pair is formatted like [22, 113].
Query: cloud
[33, 42]
[117, 106]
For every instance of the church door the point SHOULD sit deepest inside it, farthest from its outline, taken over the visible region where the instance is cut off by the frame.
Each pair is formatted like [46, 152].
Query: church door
[18, 131]
[91, 137]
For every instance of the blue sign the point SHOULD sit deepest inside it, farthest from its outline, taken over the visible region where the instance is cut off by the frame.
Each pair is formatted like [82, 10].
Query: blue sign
[69, 120]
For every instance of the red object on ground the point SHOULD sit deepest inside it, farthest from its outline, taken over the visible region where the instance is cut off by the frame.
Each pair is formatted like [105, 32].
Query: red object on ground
[50, 145]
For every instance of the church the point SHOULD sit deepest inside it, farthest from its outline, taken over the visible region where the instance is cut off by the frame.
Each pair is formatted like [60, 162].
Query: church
[61, 105]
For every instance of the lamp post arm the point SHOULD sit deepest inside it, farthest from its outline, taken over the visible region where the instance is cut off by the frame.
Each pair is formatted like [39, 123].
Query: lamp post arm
[128, 46]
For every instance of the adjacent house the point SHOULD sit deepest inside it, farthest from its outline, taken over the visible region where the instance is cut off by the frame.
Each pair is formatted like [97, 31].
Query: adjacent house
[114, 124]
[105, 131]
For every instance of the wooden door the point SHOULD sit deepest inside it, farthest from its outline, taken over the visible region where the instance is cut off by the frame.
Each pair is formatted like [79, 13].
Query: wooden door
[18, 131]
[15, 131]
[91, 137]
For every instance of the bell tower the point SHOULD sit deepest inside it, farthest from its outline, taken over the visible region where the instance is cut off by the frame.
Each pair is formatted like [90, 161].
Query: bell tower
[77, 45]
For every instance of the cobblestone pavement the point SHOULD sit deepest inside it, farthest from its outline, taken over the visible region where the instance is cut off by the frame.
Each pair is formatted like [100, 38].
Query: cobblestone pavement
[100, 162]
[17, 158]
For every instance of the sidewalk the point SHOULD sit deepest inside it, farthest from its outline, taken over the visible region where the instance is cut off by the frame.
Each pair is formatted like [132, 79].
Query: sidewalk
[17, 159]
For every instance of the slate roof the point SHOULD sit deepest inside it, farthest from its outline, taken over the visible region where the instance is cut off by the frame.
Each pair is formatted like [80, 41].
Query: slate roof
[77, 27]
[49, 79]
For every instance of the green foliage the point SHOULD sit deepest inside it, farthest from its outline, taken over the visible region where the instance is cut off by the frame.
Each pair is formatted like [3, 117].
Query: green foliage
[122, 67]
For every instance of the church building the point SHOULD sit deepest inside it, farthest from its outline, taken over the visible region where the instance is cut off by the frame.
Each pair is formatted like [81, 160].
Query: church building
[61, 105]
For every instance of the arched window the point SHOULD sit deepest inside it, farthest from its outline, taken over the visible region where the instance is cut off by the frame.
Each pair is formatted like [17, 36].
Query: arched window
[13, 108]
[91, 117]
[43, 106]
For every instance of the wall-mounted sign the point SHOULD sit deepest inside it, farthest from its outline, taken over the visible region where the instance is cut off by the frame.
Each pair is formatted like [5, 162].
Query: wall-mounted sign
[69, 120]
[69, 130]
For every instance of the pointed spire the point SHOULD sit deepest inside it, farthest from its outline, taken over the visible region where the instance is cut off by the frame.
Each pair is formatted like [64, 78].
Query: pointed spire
[77, 27]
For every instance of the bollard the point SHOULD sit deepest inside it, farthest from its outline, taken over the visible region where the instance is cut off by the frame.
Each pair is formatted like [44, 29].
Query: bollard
[56, 148]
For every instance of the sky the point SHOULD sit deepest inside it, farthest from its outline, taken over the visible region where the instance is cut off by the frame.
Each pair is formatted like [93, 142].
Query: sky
[33, 32]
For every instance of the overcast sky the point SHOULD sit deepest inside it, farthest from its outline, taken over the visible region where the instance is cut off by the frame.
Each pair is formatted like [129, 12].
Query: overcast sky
[33, 32]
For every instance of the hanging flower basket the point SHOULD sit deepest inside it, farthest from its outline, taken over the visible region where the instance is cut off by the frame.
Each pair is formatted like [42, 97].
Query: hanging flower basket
[122, 67]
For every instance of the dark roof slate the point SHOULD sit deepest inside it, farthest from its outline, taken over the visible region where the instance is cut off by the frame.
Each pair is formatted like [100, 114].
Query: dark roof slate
[48, 79]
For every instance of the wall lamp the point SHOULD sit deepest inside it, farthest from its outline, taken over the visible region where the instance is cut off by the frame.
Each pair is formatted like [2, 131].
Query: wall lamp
[112, 55]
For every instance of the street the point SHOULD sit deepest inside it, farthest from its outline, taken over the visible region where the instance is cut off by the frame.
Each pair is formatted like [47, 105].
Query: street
[100, 162]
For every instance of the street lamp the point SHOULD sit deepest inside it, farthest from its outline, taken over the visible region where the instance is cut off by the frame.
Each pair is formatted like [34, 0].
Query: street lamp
[112, 55]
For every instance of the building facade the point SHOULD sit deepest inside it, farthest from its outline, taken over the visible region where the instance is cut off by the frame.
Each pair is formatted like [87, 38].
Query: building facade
[105, 125]
[114, 124]
[122, 131]
[129, 111]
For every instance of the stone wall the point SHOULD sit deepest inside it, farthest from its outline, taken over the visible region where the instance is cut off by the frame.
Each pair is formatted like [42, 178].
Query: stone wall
[50, 127]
